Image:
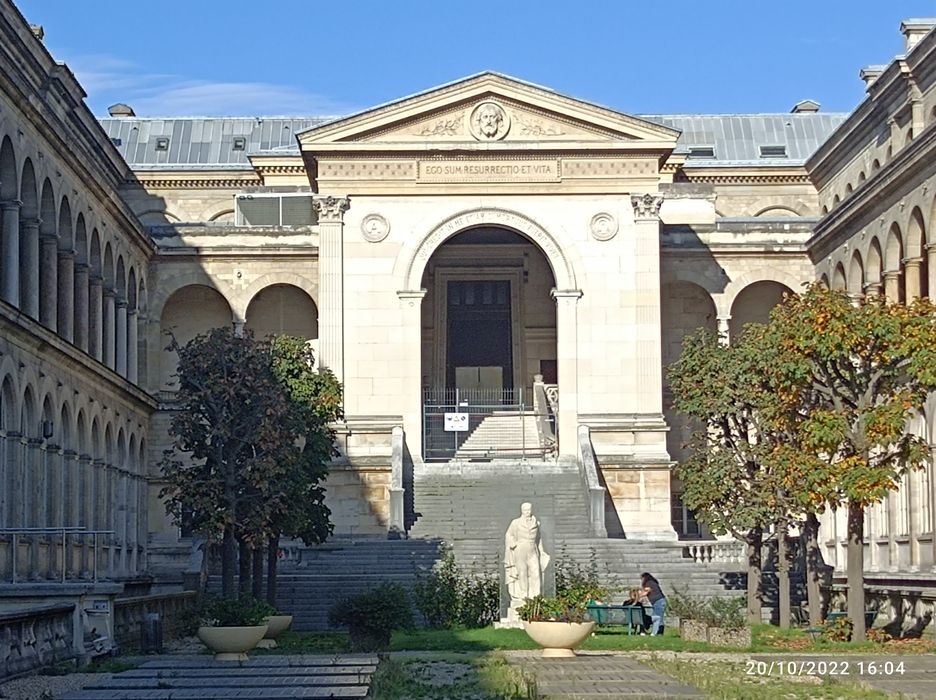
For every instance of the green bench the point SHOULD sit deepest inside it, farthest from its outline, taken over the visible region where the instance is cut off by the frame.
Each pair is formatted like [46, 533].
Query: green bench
[631, 616]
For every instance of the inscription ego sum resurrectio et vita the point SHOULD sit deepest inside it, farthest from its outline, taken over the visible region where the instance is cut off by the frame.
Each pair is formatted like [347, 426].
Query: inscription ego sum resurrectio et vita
[488, 171]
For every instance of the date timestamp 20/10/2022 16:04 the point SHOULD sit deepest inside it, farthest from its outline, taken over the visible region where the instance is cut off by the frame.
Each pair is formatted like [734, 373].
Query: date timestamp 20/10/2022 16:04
[825, 667]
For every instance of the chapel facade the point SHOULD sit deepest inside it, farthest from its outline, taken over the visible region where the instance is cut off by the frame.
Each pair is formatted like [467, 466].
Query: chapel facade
[487, 251]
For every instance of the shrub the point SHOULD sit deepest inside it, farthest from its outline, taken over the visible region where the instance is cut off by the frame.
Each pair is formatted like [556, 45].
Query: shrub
[242, 611]
[373, 616]
[726, 613]
[447, 597]
[839, 630]
[575, 581]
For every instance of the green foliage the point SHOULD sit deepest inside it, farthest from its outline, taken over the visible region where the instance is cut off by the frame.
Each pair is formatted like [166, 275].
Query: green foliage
[372, 617]
[242, 611]
[727, 613]
[575, 581]
[447, 597]
[838, 630]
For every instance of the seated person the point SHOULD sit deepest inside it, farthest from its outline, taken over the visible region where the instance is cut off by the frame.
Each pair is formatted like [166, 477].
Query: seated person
[637, 596]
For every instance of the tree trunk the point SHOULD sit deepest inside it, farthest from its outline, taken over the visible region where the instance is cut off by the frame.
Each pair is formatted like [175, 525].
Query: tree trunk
[813, 564]
[856, 594]
[256, 560]
[228, 555]
[755, 563]
[783, 577]
[272, 561]
[243, 562]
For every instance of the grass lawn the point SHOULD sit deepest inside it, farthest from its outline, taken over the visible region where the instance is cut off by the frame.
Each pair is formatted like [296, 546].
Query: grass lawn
[452, 676]
[766, 639]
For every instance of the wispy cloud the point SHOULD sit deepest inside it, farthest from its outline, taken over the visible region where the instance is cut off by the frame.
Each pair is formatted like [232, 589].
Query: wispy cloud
[108, 79]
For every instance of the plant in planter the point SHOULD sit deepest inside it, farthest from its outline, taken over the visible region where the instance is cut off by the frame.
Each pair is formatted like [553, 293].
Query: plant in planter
[373, 616]
[232, 626]
[276, 623]
[560, 623]
[718, 621]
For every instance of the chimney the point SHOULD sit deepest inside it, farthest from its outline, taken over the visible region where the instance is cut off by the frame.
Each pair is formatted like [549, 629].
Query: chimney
[870, 73]
[805, 107]
[37, 31]
[121, 111]
[915, 29]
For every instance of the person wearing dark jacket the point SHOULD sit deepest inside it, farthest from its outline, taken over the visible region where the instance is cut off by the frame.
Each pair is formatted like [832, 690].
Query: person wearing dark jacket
[651, 589]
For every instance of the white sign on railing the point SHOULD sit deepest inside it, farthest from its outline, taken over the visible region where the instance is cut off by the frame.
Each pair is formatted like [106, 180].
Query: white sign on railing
[456, 422]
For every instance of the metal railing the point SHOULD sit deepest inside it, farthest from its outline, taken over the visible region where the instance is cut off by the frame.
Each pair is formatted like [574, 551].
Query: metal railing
[482, 424]
[14, 533]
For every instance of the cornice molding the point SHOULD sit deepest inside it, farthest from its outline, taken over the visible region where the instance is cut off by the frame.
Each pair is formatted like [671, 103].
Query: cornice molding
[187, 181]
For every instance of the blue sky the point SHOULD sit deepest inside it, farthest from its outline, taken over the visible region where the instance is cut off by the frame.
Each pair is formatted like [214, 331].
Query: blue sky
[295, 57]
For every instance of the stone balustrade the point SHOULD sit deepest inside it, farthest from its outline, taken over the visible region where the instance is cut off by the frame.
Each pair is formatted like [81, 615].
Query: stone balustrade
[37, 636]
[176, 610]
[714, 551]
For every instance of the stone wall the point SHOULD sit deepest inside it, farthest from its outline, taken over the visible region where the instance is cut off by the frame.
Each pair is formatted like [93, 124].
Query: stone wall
[176, 610]
[35, 637]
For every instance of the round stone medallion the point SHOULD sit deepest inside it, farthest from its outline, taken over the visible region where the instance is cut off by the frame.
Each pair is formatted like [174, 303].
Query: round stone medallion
[489, 122]
[374, 228]
[603, 226]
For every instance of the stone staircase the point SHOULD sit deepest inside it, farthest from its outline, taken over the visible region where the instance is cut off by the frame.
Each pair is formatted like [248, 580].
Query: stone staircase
[469, 505]
[503, 433]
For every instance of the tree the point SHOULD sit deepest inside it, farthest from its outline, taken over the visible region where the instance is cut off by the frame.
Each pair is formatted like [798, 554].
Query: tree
[858, 372]
[736, 478]
[315, 397]
[237, 436]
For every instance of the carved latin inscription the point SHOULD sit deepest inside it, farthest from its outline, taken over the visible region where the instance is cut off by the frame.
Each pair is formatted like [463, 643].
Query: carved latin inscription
[488, 171]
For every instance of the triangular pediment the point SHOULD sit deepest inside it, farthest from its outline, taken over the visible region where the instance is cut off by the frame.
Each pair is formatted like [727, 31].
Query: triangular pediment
[489, 112]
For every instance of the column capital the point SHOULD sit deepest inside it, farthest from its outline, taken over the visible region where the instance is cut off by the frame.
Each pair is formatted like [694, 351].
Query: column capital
[646, 206]
[96, 279]
[121, 303]
[47, 238]
[891, 274]
[110, 291]
[912, 262]
[330, 210]
[82, 267]
[573, 294]
[10, 204]
[31, 222]
[66, 255]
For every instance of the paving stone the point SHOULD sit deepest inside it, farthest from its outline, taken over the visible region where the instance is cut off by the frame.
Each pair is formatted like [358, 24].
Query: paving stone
[203, 678]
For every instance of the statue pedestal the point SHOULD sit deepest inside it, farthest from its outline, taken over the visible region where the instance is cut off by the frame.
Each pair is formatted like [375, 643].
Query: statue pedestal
[512, 621]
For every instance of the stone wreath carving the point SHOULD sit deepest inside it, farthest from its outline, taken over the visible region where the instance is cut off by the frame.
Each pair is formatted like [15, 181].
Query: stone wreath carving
[489, 122]
[374, 228]
[603, 226]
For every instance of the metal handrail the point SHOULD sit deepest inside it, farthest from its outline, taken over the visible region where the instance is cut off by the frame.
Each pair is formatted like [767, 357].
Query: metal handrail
[65, 531]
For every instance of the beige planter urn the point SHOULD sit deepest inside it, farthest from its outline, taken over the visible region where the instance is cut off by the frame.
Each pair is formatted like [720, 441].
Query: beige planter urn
[558, 639]
[231, 643]
[276, 625]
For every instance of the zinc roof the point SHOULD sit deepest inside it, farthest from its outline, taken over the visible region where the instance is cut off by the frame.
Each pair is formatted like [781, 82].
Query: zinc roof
[207, 143]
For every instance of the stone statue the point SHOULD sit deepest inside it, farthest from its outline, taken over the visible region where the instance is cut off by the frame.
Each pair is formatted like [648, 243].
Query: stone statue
[525, 560]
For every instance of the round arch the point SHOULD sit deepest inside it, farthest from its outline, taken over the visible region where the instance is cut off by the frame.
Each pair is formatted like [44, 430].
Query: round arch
[282, 309]
[754, 303]
[9, 180]
[191, 310]
[161, 292]
[856, 276]
[246, 298]
[778, 210]
[736, 286]
[414, 257]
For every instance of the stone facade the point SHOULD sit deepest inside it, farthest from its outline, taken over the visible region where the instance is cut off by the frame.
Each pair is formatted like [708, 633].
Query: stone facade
[614, 234]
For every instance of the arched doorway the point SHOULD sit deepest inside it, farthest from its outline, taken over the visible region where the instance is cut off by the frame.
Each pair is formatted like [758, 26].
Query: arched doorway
[754, 303]
[282, 309]
[188, 312]
[488, 325]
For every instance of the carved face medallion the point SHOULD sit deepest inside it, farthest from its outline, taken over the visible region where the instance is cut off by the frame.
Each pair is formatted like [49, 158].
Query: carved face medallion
[489, 122]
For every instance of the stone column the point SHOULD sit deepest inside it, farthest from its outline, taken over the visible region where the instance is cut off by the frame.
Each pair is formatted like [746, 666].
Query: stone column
[10, 237]
[871, 520]
[66, 295]
[48, 286]
[110, 327]
[567, 363]
[81, 306]
[70, 489]
[85, 509]
[913, 530]
[411, 353]
[12, 465]
[932, 496]
[51, 498]
[873, 290]
[96, 318]
[912, 278]
[892, 286]
[724, 329]
[29, 267]
[330, 213]
[133, 341]
[121, 333]
[133, 485]
[33, 499]
[931, 270]
[893, 554]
